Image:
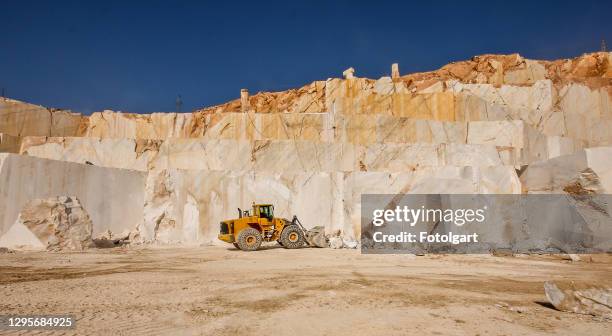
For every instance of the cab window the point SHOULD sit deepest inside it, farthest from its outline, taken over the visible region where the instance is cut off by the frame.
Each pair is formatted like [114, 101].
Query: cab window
[266, 212]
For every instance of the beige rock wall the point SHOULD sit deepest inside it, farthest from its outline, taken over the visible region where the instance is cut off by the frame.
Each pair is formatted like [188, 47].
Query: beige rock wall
[112, 153]
[187, 205]
[586, 171]
[9, 143]
[362, 95]
[113, 198]
[23, 119]
[362, 116]
[545, 95]
[478, 143]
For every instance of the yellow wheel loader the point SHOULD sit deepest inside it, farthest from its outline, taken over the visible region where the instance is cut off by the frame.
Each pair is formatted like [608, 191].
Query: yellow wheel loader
[250, 229]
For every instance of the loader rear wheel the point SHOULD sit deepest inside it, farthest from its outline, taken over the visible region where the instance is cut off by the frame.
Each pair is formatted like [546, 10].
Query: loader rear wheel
[249, 239]
[292, 237]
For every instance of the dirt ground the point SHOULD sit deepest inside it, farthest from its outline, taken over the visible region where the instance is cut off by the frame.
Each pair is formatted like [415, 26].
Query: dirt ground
[222, 291]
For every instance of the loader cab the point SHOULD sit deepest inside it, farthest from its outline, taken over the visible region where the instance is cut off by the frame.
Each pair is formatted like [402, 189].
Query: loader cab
[264, 211]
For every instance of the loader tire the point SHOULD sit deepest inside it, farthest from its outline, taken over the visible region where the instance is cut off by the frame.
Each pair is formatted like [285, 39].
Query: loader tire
[249, 239]
[292, 237]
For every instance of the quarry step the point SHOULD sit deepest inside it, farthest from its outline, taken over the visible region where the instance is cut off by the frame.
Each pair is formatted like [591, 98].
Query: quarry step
[291, 155]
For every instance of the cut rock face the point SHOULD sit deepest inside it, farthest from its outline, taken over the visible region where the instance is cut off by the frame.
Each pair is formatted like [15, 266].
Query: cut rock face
[113, 198]
[56, 224]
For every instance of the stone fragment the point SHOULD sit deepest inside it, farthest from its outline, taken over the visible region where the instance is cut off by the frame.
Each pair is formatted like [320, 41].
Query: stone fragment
[316, 237]
[395, 70]
[336, 242]
[574, 257]
[109, 240]
[349, 73]
[350, 243]
[109, 235]
[244, 100]
[517, 309]
[589, 301]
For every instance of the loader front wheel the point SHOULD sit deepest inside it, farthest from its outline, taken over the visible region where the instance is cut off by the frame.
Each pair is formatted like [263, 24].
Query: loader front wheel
[292, 237]
[249, 239]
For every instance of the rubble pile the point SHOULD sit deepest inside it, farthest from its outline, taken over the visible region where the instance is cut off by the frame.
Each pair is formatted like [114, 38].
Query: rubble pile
[588, 301]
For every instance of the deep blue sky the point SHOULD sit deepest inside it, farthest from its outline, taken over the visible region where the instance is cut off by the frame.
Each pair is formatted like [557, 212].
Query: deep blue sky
[138, 56]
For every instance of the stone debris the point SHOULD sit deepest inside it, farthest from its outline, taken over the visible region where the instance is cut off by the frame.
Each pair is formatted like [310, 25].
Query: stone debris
[574, 257]
[590, 301]
[316, 237]
[108, 239]
[509, 307]
[109, 235]
[58, 223]
[336, 242]
[350, 244]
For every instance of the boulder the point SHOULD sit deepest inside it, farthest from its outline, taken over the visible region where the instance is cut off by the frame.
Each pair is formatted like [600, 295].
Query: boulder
[589, 301]
[336, 242]
[350, 243]
[109, 235]
[56, 224]
[108, 239]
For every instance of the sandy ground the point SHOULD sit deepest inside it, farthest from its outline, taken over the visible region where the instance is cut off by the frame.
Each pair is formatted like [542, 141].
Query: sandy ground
[223, 291]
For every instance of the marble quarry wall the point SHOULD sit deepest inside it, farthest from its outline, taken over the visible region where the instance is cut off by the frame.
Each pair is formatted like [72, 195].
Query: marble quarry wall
[403, 117]
[9, 143]
[114, 198]
[23, 119]
[545, 95]
[492, 124]
[586, 171]
[272, 155]
[434, 144]
[187, 205]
